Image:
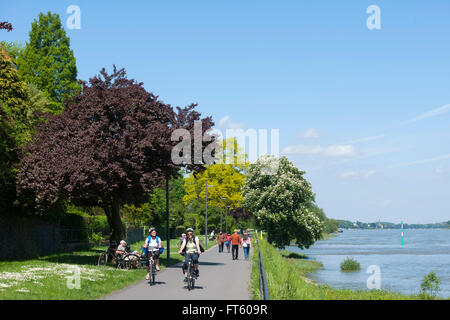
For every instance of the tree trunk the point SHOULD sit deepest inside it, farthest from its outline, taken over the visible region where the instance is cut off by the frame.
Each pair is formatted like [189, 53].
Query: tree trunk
[117, 231]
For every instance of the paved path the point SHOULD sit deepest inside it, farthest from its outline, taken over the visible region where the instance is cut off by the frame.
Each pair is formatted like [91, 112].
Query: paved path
[221, 278]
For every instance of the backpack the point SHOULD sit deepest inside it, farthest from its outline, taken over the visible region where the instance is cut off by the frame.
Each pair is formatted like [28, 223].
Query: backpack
[149, 238]
[201, 247]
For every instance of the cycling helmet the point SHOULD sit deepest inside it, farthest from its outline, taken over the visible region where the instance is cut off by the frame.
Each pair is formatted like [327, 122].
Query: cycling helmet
[151, 229]
[189, 230]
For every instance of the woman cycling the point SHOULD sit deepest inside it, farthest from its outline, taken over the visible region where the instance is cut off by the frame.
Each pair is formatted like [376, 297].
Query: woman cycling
[190, 245]
[153, 243]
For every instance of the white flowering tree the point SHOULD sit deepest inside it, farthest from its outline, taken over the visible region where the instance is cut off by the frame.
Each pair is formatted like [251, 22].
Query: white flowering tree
[282, 202]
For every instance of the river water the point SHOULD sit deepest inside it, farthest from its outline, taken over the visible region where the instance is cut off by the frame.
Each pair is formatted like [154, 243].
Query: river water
[401, 267]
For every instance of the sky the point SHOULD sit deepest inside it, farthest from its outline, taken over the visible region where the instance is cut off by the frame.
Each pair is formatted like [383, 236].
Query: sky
[365, 112]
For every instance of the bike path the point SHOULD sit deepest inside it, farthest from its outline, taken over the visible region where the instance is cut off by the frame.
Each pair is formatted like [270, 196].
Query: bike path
[221, 278]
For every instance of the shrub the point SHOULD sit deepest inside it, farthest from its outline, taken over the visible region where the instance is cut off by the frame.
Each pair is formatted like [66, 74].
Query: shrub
[350, 264]
[96, 237]
[430, 286]
[98, 223]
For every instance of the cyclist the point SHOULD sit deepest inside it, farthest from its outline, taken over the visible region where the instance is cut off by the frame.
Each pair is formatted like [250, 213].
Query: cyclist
[190, 245]
[152, 243]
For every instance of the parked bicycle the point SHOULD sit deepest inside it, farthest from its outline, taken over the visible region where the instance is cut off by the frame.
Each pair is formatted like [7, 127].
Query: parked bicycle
[108, 255]
[127, 260]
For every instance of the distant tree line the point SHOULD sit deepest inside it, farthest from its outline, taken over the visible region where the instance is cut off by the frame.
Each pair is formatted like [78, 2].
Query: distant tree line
[345, 224]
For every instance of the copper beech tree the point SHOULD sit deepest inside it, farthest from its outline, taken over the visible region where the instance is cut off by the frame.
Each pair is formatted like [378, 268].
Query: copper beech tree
[6, 25]
[110, 146]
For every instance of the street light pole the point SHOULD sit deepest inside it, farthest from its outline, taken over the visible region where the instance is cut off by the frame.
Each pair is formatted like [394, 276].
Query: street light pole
[226, 218]
[206, 214]
[220, 198]
[167, 219]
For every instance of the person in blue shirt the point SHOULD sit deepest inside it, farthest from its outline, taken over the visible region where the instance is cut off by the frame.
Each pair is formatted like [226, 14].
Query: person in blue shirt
[153, 243]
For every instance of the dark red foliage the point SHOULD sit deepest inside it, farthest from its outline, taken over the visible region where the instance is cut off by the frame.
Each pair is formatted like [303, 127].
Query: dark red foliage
[6, 25]
[240, 213]
[111, 145]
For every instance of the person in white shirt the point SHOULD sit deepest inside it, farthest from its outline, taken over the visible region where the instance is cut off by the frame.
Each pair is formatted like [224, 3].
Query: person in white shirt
[153, 243]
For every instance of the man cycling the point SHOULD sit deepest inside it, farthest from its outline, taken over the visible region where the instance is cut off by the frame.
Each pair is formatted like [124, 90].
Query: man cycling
[190, 245]
[153, 243]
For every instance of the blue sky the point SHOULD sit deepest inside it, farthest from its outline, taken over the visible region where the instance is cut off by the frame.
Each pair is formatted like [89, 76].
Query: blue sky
[364, 112]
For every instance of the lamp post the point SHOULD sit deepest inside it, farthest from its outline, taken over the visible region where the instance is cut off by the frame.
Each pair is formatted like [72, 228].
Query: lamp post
[206, 214]
[226, 218]
[220, 198]
[167, 219]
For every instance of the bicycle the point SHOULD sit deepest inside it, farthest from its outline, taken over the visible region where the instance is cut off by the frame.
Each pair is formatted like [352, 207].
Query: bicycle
[108, 255]
[152, 265]
[126, 260]
[131, 261]
[192, 275]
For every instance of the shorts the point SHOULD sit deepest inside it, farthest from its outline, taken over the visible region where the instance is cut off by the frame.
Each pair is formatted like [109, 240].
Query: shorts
[227, 243]
[186, 260]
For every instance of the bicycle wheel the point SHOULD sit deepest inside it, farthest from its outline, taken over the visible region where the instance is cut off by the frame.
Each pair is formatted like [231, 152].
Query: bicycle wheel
[120, 263]
[151, 267]
[102, 260]
[191, 279]
[191, 282]
[132, 261]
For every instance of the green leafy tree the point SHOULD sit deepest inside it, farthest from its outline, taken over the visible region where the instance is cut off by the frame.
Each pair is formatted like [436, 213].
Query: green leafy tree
[48, 61]
[176, 206]
[430, 286]
[282, 202]
[138, 216]
[13, 127]
[13, 49]
[37, 103]
[226, 177]
[329, 225]
[23, 103]
[8, 157]
[17, 118]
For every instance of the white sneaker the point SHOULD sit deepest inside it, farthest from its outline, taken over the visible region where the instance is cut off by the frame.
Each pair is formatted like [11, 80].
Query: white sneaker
[147, 277]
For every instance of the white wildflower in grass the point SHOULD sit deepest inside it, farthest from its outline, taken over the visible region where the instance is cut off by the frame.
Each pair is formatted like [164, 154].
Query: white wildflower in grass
[31, 274]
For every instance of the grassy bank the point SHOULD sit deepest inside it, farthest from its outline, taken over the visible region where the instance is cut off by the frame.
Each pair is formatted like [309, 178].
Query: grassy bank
[47, 277]
[286, 276]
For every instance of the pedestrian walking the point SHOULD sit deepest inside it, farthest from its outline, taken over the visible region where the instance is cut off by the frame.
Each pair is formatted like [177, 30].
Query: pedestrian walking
[183, 237]
[227, 242]
[236, 242]
[246, 243]
[221, 241]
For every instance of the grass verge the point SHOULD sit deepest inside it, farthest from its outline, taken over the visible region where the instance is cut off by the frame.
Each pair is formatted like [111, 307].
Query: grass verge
[47, 278]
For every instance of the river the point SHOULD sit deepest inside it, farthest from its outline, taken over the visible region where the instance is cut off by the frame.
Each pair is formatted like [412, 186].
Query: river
[402, 267]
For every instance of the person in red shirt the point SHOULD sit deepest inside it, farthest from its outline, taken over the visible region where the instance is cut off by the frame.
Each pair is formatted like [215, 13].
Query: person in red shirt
[227, 242]
[236, 242]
